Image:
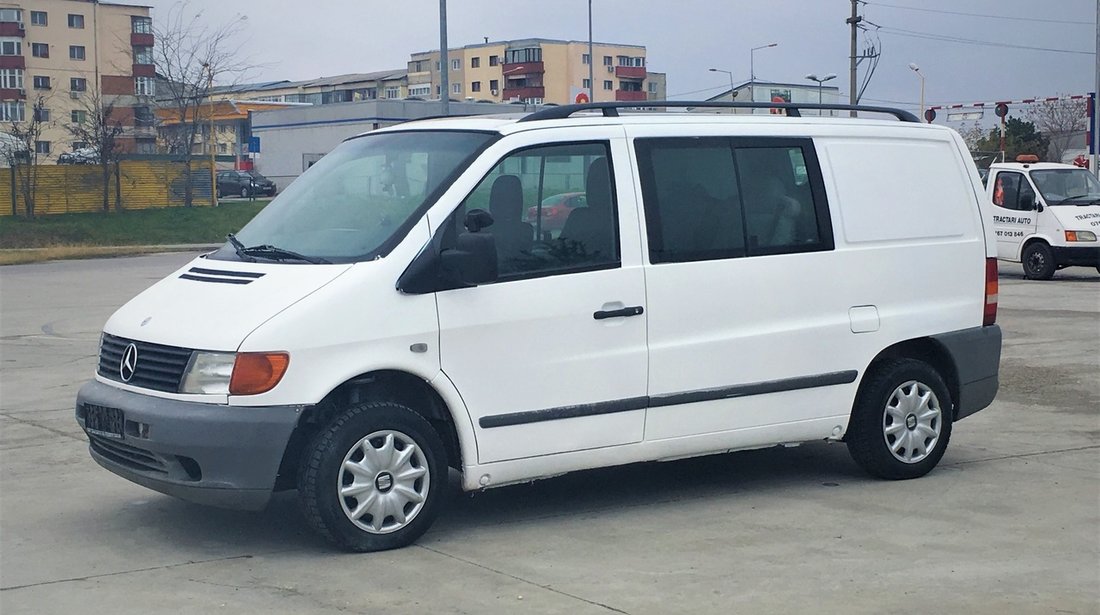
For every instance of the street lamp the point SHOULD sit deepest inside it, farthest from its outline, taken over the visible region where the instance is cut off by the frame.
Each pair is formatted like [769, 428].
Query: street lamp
[752, 72]
[820, 80]
[733, 93]
[916, 69]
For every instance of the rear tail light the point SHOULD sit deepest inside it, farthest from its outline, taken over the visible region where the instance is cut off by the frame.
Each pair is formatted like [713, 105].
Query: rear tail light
[989, 317]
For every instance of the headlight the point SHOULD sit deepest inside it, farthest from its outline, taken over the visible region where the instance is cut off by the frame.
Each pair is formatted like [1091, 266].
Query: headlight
[209, 373]
[1080, 236]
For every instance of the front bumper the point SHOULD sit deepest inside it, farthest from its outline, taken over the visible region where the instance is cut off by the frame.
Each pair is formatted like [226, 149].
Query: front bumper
[225, 456]
[1086, 256]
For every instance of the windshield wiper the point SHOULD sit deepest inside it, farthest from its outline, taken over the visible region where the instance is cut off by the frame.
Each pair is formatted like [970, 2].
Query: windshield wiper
[239, 248]
[275, 253]
[1072, 198]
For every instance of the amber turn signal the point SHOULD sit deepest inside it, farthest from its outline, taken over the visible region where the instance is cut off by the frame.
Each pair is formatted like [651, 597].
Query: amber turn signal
[257, 372]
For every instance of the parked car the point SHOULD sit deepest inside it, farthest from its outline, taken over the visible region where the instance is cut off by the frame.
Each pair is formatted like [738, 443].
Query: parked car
[244, 184]
[707, 298]
[556, 210]
[85, 155]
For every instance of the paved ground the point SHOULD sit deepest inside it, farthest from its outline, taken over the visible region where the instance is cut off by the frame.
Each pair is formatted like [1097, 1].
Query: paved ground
[1009, 522]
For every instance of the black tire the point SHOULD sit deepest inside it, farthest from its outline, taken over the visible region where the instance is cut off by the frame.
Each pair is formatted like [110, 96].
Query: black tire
[217, 193]
[244, 192]
[868, 442]
[321, 472]
[1038, 261]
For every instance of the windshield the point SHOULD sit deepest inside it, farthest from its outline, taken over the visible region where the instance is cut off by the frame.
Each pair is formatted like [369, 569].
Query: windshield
[256, 176]
[1067, 186]
[361, 199]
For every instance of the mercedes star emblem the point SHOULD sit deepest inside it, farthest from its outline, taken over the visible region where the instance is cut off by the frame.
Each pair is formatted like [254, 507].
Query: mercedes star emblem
[129, 363]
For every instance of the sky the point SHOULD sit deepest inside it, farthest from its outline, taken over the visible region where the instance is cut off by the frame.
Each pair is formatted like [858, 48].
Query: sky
[307, 39]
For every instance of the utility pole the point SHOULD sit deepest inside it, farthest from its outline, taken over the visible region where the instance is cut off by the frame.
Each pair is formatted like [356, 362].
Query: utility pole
[592, 58]
[444, 62]
[1096, 101]
[853, 21]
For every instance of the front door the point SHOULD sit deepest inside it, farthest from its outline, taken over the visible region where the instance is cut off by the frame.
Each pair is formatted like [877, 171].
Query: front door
[1014, 217]
[552, 357]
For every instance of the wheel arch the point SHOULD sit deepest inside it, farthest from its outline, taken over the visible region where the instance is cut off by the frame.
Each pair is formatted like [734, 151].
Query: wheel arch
[379, 385]
[924, 349]
[1027, 242]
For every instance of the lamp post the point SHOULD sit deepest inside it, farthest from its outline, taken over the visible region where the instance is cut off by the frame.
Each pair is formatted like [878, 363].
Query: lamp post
[916, 69]
[591, 59]
[213, 162]
[820, 80]
[733, 93]
[752, 71]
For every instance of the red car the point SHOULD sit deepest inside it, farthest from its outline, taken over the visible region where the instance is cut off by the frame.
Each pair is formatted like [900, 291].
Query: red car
[556, 210]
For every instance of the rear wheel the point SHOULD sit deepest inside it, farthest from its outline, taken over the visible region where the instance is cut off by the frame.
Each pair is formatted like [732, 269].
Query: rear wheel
[374, 478]
[1038, 261]
[901, 421]
[244, 192]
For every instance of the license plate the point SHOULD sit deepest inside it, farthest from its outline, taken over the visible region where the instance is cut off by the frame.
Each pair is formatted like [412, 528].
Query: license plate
[103, 421]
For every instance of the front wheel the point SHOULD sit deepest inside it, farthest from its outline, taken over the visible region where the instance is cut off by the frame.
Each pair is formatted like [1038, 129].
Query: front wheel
[244, 192]
[1038, 261]
[901, 421]
[374, 478]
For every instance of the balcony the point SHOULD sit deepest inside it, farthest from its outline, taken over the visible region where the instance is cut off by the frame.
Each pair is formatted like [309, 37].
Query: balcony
[525, 92]
[138, 39]
[630, 72]
[630, 96]
[13, 62]
[12, 28]
[12, 94]
[522, 68]
[145, 70]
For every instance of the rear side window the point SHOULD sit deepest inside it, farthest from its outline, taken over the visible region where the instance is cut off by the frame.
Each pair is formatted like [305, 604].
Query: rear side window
[714, 198]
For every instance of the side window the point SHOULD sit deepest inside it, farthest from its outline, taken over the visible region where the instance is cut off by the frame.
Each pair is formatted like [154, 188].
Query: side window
[536, 226]
[779, 211]
[1012, 191]
[713, 198]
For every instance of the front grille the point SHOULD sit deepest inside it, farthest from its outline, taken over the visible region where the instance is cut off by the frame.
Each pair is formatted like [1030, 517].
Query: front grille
[158, 367]
[126, 455]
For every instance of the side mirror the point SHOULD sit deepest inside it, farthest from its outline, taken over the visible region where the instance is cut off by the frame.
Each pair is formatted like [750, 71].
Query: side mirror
[1035, 205]
[473, 260]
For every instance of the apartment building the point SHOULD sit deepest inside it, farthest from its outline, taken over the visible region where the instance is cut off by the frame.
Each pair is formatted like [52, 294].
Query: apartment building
[537, 70]
[70, 53]
[378, 85]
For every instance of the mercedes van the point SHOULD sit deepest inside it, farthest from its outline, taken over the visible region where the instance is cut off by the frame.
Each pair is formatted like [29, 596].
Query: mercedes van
[729, 282]
[1046, 216]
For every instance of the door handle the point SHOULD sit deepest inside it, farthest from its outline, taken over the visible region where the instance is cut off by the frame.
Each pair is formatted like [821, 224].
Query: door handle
[623, 313]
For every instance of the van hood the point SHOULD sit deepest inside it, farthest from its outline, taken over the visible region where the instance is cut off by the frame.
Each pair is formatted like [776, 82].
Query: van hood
[214, 305]
[1078, 217]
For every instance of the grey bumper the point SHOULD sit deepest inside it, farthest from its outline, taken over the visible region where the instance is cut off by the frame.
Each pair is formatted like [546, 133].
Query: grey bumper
[226, 456]
[977, 356]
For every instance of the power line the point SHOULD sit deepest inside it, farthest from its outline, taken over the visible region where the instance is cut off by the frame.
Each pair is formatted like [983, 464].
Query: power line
[968, 41]
[985, 15]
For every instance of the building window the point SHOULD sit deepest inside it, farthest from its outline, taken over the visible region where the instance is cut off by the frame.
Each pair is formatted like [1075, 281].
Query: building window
[76, 21]
[456, 88]
[456, 64]
[437, 65]
[146, 146]
[40, 50]
[494, 60]
[630, 86]
[475, 62]
[143, 55]
[41, 82]
[527, 54]
[144, 86]
[42, 114]
[11, 78]
[639, 61]
[494, 85]
[11, 15]
[141, 25]
[423, 89]
[12, 111]
[38, 18]
[586, 59]
[475, 86]
[624, 61]
[79, 145]
[607, 85]
[78, 84]
[11, 47]
[76, 52]
[607, 60]
[143, 116]
[393, 92]
[652, 86]
[586, 84]
[416, 66]
[78, 116]
[42, 147]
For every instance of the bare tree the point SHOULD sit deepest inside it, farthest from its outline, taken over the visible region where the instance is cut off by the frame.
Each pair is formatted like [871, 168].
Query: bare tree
[971, 135]
[1059, 121]
[101, 129]
[192, 57]
[20, 150]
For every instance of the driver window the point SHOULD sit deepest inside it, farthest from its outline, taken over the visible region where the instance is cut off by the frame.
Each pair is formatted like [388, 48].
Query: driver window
[1012, 191]
[553, 210]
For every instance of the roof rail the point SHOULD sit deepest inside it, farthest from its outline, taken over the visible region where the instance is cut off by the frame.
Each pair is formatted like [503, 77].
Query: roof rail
[611, 109]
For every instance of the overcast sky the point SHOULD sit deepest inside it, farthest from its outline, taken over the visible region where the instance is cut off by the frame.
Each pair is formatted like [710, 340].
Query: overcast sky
[302, 40]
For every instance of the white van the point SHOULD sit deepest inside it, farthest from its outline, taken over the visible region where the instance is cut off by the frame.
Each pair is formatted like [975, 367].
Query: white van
[1046, 217]
[729, 282]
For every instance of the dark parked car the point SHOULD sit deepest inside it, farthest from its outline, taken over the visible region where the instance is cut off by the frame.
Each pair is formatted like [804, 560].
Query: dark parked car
[244, 184]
